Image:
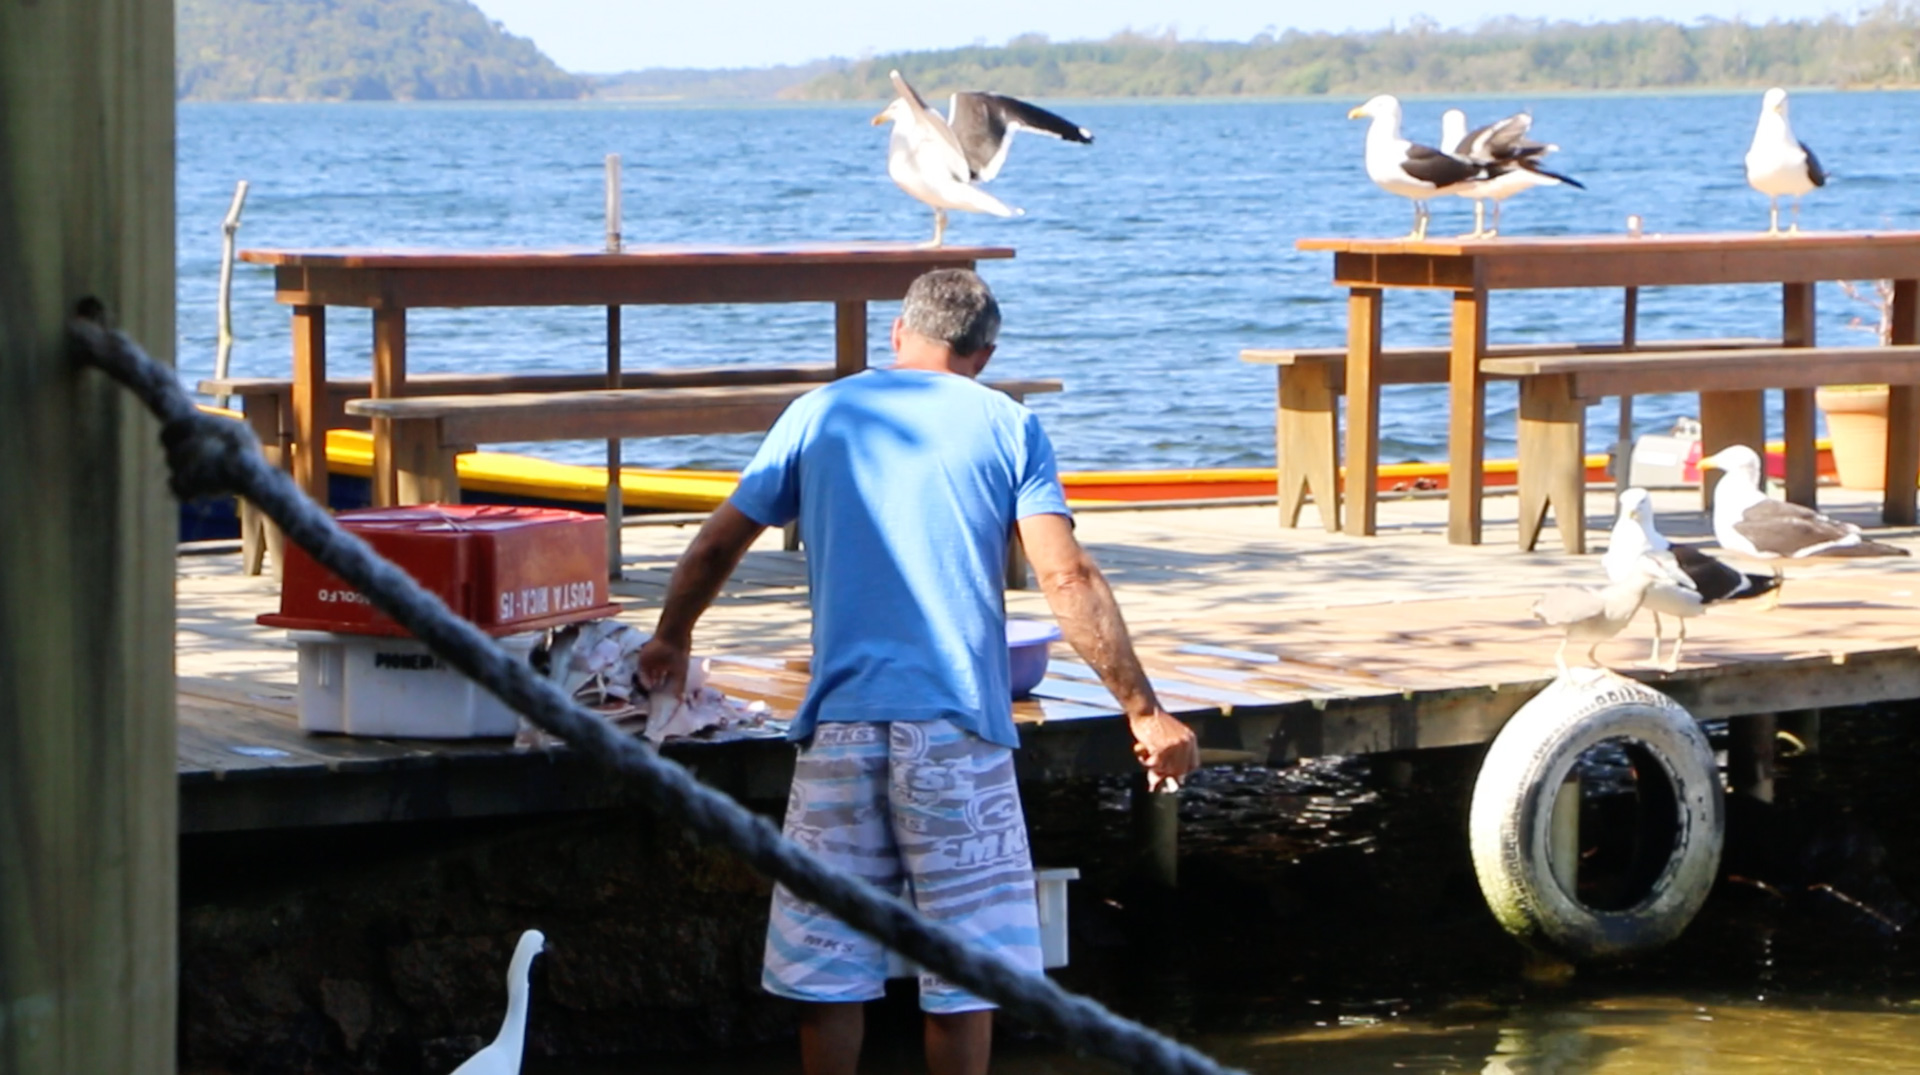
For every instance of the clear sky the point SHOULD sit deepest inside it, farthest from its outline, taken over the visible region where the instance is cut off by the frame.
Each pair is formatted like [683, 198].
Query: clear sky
[621, 35]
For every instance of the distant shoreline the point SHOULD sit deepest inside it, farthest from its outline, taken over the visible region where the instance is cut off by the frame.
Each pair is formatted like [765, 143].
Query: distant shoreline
[595, 101]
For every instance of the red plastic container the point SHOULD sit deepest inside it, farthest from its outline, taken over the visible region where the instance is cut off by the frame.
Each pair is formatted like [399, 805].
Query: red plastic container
[507, 569]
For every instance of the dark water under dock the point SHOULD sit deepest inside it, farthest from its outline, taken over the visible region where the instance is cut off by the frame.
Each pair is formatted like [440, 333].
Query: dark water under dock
[1328, 921]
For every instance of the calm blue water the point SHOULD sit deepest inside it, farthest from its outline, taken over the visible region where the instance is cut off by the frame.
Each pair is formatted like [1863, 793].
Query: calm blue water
[1146, 262]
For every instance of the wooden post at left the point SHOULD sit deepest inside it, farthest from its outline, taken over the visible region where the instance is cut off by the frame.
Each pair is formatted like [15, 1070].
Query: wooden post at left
[88, 791]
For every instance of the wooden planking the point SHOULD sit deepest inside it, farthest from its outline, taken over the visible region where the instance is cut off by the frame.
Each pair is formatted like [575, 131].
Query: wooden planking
[630, 257]
[627, 412]
[1620, 260]
[1428, 365]
[1598, 375]
[262, 396]
[610, 280]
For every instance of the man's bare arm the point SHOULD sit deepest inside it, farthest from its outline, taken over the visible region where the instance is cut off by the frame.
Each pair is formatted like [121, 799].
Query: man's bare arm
[1090, 619]
[697, 578]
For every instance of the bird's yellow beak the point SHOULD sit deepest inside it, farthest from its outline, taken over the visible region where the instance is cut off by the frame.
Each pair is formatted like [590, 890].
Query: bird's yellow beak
[1358, 112]
[881, 118]
[1712, 462]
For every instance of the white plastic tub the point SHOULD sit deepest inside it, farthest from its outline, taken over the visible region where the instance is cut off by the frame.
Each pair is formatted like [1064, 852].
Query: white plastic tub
[1050, 889]
[369, 685]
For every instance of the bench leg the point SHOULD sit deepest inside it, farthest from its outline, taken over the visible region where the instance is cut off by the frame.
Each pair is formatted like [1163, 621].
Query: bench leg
[425, 471]
[1553, 462]
[1467, 418]
[1307, 438]
[1728, 418]
[263, 417]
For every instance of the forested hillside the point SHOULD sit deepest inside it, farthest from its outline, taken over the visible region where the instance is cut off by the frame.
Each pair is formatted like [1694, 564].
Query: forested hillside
[1876, 49]
[356, 50]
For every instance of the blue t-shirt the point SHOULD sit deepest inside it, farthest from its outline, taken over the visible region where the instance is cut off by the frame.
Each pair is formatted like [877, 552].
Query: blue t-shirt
[907, 484]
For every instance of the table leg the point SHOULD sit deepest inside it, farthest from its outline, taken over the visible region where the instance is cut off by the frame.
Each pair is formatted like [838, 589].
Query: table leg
[1903, 415]
[1553, 462]
[389, 380]
[1307, 443]
[309, 401]
[1623, 435]
[616, 500]
[1728, 418]
[1803, 466]
[1362, 489]
[849, 337]
[1467, 419]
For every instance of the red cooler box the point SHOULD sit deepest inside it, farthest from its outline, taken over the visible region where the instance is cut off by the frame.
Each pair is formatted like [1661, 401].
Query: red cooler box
[507, 569]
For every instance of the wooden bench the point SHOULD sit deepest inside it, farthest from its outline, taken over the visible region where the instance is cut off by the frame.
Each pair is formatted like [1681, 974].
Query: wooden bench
[1312, 380]
[1555, 391]
[267, 404]
[430, 432]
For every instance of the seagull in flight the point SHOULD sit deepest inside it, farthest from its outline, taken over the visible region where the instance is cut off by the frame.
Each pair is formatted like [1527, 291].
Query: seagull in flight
[942, 161]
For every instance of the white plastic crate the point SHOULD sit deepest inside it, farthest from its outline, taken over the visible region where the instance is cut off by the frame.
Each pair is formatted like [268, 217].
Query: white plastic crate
[370, 685]
[1050, 889]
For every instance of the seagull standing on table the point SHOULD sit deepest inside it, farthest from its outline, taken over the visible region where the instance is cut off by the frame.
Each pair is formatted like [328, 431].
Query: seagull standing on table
[1692, 579]
[1778, 164]
[1596, 614]
[503, 1056]
[939, 161]
[1748, 521]
[1511, 158]
[1408, 169]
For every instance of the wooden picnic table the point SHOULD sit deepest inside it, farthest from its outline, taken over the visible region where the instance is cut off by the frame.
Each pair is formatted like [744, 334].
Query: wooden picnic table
[1471, 269]
[390, 282]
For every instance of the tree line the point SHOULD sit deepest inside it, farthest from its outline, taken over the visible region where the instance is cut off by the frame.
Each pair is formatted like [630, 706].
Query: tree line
[356, 50]
[1877, 48]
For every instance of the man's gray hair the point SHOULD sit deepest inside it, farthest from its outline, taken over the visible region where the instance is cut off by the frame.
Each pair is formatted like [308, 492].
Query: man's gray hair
[955, 307]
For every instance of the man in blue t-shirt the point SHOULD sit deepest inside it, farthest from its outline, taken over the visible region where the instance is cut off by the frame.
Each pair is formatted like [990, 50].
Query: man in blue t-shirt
[908, 484]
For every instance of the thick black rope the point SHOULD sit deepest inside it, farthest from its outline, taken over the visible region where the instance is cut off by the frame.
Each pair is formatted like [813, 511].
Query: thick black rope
[209, 455]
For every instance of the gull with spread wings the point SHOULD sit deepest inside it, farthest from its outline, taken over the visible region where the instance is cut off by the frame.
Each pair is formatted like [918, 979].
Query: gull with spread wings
[942, 161]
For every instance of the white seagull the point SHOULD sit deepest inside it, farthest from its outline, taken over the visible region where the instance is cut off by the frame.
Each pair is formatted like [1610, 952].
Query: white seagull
[1406, 168]
[503, 1056]
[1512, 160]
[1691, 580]
[1595, 614]
[1749, 522]
[1778, 164]
[939, 161]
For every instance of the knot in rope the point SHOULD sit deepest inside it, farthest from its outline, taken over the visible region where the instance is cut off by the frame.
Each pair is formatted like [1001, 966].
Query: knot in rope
[201, 450]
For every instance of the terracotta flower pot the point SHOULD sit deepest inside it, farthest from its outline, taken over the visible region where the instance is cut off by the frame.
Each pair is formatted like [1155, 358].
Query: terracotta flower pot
[1857, 426]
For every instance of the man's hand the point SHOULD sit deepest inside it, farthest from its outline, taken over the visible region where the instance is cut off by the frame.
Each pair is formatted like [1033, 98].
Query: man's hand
[663, 667]
[1167, 748]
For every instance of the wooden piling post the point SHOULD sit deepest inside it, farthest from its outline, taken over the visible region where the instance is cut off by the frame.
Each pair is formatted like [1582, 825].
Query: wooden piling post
[1750, 756]
[88, 790]
[1156, 833]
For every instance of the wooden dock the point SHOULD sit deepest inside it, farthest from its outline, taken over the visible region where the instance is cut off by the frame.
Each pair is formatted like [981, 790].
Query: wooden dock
[1276, 644]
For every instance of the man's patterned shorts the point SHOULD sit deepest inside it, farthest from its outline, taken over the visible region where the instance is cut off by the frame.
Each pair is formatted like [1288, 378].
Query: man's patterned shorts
[920, 806]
